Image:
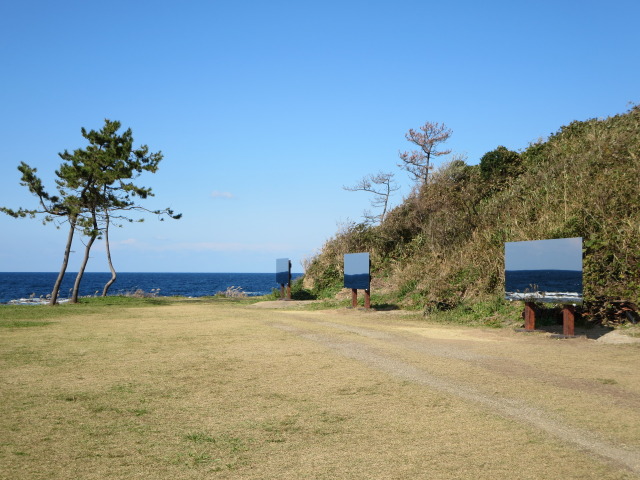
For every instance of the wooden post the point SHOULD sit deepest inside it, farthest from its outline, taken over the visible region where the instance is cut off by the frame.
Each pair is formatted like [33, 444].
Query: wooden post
[367, 299]
[529, 316]
[289, 283]
[354, 297]
[282, 291]
[568, 320]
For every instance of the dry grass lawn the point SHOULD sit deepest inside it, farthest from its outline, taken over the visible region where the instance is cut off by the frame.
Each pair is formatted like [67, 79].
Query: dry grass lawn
[218, 390]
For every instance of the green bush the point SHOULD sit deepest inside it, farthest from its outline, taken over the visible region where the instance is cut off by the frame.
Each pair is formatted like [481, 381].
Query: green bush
[499, 163]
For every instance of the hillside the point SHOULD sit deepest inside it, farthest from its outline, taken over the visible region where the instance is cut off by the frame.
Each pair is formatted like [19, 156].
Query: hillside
[444, 245]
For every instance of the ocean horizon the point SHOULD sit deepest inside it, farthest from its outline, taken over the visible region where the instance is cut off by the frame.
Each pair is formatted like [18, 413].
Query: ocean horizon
[549, 286]
[37, 285]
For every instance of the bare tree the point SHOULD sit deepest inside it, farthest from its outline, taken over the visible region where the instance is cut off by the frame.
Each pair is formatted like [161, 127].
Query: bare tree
[419, 162]
[382, 186]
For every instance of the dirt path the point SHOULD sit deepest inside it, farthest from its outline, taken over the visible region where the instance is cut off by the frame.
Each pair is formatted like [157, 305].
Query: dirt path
[412, 353]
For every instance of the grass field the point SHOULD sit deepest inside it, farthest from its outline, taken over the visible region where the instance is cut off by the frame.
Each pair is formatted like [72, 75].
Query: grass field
[177, 389]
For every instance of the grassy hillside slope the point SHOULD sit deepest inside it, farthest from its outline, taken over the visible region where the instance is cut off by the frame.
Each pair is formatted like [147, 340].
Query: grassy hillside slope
[444, 245]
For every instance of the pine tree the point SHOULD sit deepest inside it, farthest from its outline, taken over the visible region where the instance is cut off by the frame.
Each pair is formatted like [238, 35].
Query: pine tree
[95, 186]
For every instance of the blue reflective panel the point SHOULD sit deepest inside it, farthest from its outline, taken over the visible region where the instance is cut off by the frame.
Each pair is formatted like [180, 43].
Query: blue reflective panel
[544, 270]
[283, 271]
[356, 271]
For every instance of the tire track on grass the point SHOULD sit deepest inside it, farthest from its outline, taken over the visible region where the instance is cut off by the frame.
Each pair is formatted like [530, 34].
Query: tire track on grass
[509, 408]
[492, 364]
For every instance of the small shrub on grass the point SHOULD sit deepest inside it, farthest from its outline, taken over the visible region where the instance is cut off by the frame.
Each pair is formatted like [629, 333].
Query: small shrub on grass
[140, 293]
[232, 292]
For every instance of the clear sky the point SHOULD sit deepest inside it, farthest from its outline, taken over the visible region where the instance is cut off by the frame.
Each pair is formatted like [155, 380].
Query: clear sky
[265, 110]
[556, 254]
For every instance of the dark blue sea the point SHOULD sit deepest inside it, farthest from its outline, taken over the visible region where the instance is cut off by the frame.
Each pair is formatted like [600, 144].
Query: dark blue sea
[15, 286]
[556, 286]
[359, 282]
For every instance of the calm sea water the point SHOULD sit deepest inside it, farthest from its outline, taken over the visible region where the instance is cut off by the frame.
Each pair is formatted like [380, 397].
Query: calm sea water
[556, 286]
[14, 286]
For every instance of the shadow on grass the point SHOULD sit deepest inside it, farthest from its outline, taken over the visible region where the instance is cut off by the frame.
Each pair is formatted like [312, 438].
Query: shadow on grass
[592, 332]
[384, 307]
[550, 320]
[303, 295]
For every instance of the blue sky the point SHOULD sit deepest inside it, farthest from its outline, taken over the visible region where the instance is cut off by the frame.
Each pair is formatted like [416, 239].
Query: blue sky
[264, 110]
[555, 254]
[356, 264]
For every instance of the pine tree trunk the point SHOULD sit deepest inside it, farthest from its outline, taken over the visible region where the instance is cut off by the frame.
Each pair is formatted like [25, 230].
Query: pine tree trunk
[65, 262]
[113, 270]
[92, 238]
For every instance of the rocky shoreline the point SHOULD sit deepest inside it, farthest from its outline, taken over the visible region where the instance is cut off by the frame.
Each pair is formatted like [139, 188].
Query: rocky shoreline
[34, 301]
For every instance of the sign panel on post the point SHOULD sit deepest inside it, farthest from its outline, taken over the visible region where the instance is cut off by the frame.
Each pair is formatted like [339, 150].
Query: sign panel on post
[283, 271]
[357, 271]
[544, 271]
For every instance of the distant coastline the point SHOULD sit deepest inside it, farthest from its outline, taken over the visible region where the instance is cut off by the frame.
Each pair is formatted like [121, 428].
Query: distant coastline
[37, 285]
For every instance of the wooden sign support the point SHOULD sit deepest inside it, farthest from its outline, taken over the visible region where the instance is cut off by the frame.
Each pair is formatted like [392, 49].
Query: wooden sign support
[354, 298]
[283, 277]
[568, 320]
[282, 292]
[529, 316]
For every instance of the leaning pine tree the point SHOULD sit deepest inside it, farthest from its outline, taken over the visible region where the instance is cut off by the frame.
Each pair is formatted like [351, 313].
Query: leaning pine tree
[111, 162]
[93, 184]
[65, 208]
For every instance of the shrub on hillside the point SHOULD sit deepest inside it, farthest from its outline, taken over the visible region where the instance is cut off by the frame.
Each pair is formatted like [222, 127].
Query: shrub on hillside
[446, 240]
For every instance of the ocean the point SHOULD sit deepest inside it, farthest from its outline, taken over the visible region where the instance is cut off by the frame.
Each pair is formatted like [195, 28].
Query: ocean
[552, 286]
[25, 285]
